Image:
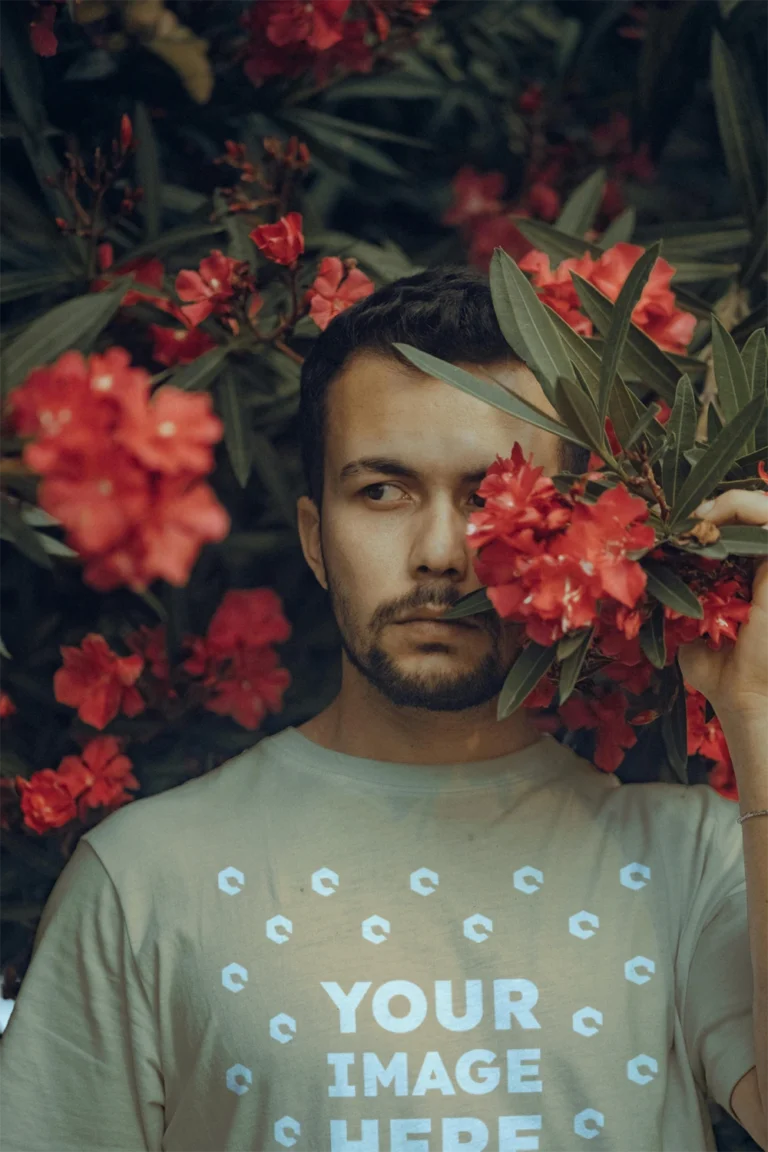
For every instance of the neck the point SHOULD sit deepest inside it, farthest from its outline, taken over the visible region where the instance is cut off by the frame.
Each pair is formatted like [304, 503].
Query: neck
[361, 722]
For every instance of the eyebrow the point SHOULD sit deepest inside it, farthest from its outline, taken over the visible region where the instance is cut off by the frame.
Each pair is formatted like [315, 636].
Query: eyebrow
[391, 467]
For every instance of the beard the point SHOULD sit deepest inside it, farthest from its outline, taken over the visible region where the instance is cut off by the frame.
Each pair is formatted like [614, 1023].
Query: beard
[431, 688]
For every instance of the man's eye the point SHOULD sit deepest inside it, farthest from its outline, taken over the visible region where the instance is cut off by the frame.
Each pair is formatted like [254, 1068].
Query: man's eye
[369, 490]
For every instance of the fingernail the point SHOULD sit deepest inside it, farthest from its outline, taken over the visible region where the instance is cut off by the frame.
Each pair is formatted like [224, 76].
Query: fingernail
[704, 508]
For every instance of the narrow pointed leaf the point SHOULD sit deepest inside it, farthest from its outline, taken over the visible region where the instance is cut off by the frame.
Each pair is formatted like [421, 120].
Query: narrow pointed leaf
[620, 230]
[749, 463]
[716, 461]
[236, 436]
[652, 637]
[148, 172]
[642, 425]
[554, 243]
[681, 425]
[525, 323]
[744, 539]
[733, 387]
[753, 356]
[674, 724]
[641, 356]
[570, 642]
[580, 414]
[620, 320]
[580, 209]
[269, 467]
[200, 373]
[487, 390]
[532, 663]
[571, 667]
[740, 124]
[666, 586]
[470, 605]
[76, 323]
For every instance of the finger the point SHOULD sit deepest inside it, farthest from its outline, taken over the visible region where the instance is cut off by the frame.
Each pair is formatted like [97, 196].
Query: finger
[737, 505]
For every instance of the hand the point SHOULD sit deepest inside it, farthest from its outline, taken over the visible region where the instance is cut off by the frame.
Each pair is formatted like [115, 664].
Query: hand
[735, 678]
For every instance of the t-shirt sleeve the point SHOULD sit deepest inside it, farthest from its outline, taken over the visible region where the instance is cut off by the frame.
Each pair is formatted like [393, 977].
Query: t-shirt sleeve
[79, 1064]
[714, 960]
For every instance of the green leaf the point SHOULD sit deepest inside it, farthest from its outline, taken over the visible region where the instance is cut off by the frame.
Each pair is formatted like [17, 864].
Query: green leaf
[580, 209]
[148, 172]
[346, 145]
[719, 456]
[488, 391]
[581, 354]
[741, 126]
[236, 435]
[532, 663]
[652, 637]
[568, 644]
[744, 539]
[699, 271]
[640, 355]
[525, 323]
[754, 258]
[269, 467]
[620, 320]
[18, 285]
[580, 414]
[755, 360]
[554, 243]
[14, 529]
[748, 464]
[201, 372]
[75, 323]
[730, 375]
[674, 724]
[681, 425]
[338, 124]
[572, 665]
[620, 230]
[470, 605]
[666, 586]
[642, 425]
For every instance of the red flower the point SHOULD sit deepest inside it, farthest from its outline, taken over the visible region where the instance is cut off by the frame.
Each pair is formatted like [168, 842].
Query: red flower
[98, 682]
[46, 800]
[557, 288]
[144, 270]
[331, 293]
[474, 194]
[126, 133]
[490, 232]
[41, 34]
[179, 345]
[247, 617]
[601, 535]
[207, 290]
[282, 242]
[607, 714]
[531, 98]
[151, 644]
[98, 777]
[97, 498]
[184, 515]
[543, 201]
[7, 706]
[255, 685]
[726, 605]
[655, 312]
[315, 22]
[174, 432]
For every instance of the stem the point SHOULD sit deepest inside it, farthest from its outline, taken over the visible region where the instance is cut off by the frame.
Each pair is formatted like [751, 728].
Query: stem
[289, 352]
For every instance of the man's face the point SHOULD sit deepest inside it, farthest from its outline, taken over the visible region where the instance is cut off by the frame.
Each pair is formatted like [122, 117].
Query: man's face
[390, 545]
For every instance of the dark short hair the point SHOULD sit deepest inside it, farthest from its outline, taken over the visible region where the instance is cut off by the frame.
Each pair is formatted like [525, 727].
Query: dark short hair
[446, 311]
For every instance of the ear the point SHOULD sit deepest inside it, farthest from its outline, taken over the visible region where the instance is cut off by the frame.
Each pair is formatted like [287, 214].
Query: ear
[308, 520]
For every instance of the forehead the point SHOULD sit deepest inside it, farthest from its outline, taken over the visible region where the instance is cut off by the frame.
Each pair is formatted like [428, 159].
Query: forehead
[376, 406]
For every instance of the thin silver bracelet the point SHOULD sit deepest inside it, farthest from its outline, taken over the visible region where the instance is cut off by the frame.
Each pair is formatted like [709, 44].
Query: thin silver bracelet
[746, 816]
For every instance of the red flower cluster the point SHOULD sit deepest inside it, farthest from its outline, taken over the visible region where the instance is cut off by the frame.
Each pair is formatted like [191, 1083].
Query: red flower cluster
[548, 559]
[556, 564]
[706, 738]
[655, 312]
[211, 289]
[97, 778]
[121, 468]
[98, 682]
[292, 37]
[338, 284]
[237, 660]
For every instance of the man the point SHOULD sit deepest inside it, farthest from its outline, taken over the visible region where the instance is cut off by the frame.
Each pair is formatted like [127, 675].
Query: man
[403, 924]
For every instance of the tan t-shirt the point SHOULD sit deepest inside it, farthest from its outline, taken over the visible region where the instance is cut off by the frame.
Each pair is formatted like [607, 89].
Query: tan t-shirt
[309, 950]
